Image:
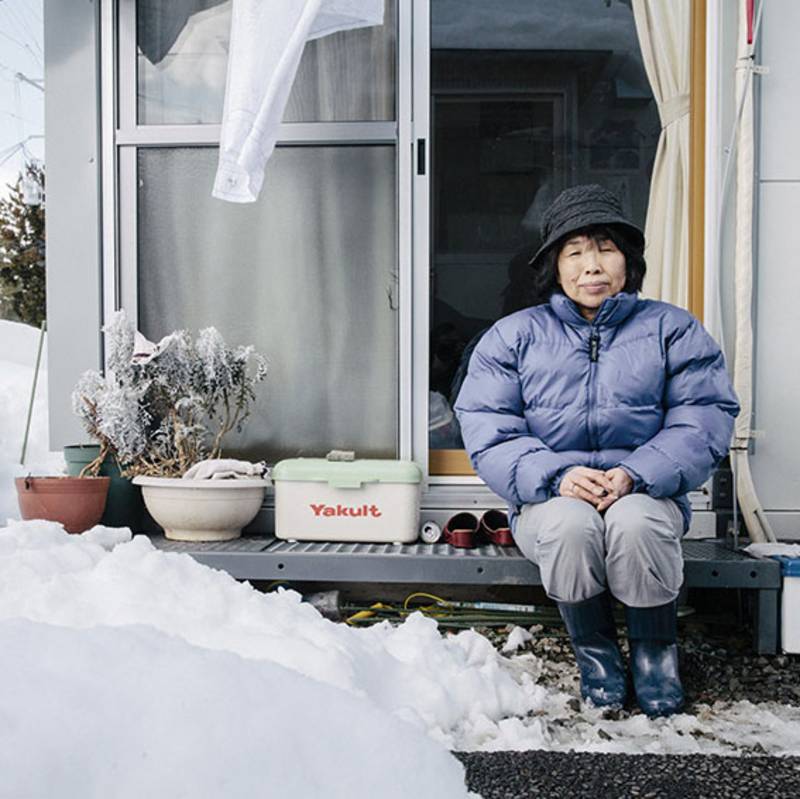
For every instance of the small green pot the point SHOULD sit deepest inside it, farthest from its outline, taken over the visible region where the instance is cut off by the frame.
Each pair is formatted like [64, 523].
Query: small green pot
[124, 507]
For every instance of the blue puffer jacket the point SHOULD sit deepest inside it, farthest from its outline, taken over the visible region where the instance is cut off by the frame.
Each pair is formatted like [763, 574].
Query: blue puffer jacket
[643, 387]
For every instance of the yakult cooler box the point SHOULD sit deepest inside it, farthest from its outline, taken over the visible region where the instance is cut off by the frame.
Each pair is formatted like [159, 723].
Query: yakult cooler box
[359, 500]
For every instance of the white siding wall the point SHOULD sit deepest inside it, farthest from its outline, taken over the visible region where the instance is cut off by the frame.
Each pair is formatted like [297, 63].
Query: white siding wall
[73, 207]
[776, 460]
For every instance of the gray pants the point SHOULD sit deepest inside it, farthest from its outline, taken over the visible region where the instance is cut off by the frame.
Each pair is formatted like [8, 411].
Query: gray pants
[633, 549]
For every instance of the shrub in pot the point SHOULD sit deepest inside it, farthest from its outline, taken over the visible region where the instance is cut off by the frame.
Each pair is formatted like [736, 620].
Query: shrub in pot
[161, 408]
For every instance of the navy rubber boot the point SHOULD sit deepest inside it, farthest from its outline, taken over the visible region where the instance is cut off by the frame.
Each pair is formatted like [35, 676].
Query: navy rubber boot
[591, 628]
[652, 633]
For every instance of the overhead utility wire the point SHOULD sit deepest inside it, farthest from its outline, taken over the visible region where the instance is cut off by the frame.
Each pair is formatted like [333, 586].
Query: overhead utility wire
[37, 18]
[14, 148]
[17, 75]
[10, 24]
[21, 24]
[35, 82]
[23, 45]
[16, 116]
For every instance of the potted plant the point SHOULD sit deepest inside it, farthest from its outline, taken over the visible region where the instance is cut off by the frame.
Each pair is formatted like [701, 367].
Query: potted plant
[161, 408]
[76, 502]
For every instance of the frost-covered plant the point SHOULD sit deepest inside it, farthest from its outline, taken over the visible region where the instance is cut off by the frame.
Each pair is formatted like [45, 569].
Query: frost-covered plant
[163, 407]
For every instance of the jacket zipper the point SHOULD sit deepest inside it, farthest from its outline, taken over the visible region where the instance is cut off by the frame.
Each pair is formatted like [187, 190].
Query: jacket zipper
[594, 351]
[594, 346]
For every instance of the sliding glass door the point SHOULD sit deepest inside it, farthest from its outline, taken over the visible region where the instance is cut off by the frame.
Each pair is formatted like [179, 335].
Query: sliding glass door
[523, 98]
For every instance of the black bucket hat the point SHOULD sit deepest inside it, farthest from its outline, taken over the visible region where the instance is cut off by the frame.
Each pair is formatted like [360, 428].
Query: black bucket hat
[580, 207]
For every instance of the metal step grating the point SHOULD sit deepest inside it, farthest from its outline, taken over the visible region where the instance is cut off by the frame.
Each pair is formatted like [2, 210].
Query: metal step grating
[713, 548]
[191, 547]
[416, 549]
[707, 563]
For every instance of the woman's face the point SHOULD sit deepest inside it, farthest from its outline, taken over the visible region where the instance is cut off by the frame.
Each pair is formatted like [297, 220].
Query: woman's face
[589, 271]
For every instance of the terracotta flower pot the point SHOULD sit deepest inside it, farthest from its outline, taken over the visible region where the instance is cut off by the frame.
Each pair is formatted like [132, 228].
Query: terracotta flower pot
[75, 502]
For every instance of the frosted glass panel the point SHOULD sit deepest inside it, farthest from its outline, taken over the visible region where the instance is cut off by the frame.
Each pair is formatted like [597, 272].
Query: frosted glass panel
[183, 57]
[306, 274]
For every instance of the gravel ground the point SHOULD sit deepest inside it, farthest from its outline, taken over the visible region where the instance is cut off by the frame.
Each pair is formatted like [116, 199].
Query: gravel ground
[574, 775]
[717, 663]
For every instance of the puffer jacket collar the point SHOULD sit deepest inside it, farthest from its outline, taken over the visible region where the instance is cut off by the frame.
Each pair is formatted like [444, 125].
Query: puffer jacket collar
[613, 310]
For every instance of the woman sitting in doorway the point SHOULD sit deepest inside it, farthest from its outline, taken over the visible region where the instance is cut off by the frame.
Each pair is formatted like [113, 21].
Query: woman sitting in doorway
[593, 413]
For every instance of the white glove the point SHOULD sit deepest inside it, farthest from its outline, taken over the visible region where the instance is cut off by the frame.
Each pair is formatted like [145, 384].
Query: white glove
[226, 469]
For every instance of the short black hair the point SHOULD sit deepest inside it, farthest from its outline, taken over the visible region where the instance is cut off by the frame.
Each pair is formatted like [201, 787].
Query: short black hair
[545, 282]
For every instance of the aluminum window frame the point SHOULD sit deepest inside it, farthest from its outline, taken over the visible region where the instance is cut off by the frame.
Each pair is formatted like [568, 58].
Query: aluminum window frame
[442, 491]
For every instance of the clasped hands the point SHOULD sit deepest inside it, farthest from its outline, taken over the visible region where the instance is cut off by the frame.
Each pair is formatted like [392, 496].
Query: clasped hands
[597, 487]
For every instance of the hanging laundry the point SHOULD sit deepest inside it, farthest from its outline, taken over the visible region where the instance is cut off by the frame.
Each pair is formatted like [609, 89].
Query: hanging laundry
[267, 41]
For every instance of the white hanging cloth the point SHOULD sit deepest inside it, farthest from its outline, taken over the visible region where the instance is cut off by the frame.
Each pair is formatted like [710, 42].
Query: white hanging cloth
[267, 41]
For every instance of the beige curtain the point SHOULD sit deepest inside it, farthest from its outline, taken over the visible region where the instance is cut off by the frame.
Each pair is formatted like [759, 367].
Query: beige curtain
[664, 30]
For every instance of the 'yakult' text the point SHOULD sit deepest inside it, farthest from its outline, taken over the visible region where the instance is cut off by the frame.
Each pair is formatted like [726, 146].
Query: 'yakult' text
[345, 510]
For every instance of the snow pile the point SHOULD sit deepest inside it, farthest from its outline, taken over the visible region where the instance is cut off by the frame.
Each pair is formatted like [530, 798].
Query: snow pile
[123, 675]
[131, 712]
[517, 638]
[17, 361]
[456, 689]
[447, 687]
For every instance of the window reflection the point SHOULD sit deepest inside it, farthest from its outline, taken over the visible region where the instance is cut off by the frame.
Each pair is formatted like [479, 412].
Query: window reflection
[528, 97]
[183, 57]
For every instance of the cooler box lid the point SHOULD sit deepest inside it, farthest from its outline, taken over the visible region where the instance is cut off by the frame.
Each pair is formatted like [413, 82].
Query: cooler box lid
[346, 474]
[790, 567]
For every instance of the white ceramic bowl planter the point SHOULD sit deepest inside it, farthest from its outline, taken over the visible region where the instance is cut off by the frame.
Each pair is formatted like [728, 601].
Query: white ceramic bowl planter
[202, 510]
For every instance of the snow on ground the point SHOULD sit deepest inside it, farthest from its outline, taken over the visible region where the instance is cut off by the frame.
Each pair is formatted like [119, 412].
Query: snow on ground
[132, 712]
[128, 672]
[18, 346]
[456, 690]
